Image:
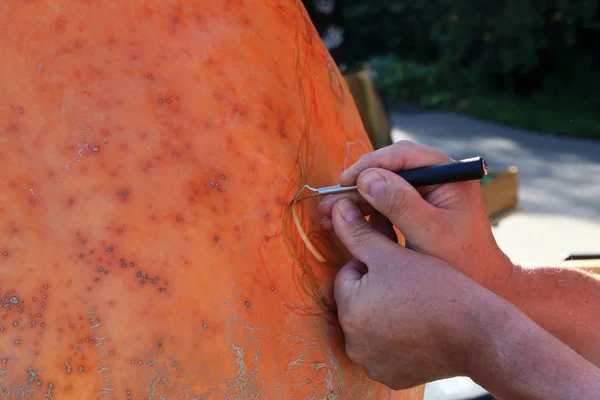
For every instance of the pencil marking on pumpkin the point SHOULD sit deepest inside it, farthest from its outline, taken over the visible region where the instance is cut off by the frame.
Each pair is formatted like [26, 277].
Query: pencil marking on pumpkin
[349, 151]
[298, 360]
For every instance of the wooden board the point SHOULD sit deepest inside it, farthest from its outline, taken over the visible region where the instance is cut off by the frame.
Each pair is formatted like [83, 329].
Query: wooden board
[500, 191]
[588, 264]
[370, 106]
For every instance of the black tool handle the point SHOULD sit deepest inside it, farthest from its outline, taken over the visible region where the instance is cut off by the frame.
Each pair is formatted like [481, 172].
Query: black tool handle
[454, 171]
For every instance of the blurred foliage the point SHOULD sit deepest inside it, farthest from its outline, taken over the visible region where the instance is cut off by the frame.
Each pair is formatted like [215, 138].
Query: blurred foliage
[511, 37]
[437, 53]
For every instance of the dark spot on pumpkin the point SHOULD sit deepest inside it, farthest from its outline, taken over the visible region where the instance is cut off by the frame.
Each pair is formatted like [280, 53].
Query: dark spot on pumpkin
[60, 24]
[82, 255]
[168, 101]
[160, 100]
[247, 303]
[5, 253]
[245, 20]
[281, 128]
[110, 249]
[95, 149]
[216, 238]
[150, 77]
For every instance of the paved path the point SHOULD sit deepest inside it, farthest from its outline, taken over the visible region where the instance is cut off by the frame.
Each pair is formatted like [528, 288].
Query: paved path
[559, 180]
[559, 190]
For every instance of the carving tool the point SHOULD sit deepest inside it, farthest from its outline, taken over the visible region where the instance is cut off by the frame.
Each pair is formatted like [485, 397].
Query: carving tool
[454, 171]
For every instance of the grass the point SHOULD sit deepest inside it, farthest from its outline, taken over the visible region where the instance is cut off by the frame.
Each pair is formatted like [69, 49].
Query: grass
[544, 113]
[568, 106]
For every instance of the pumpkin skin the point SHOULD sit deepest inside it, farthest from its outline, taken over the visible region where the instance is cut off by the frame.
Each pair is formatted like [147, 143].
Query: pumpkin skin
[148, 155]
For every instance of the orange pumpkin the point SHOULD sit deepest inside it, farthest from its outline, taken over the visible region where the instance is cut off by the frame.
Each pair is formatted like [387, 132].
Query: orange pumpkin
[148, 155]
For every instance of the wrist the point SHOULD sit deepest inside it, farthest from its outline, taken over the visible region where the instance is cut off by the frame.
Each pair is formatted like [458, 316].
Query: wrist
[502, 273]
[512, 357]
[486, 264]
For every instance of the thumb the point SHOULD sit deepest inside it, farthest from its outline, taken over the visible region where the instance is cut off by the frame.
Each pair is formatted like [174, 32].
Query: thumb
[363, 241]
[401, 203]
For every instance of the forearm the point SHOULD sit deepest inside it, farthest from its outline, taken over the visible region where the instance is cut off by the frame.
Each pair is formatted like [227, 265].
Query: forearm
[564, 301]
[515, 358]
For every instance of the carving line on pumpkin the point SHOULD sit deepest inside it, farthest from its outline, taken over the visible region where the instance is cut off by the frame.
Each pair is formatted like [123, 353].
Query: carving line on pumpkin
[313, 250]
[299, 242]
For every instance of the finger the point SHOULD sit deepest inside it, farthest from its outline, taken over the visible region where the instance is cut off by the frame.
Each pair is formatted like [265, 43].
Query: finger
[363, 241]
[325, 206]
[381, 224]
[420, 222]
[327, 223]
[378, 221]
[396, 157]
[345, 283]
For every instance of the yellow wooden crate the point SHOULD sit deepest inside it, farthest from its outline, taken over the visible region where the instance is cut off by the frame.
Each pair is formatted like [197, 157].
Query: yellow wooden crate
[500, 191]
[370, 106]
[586, 264]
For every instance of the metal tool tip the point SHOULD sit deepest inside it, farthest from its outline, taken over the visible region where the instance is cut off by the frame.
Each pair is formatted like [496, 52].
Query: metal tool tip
[298, 199]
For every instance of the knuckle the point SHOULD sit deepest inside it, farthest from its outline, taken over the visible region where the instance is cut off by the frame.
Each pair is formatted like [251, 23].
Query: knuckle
[397, 203]
[353, 320]
[372, 374]
[363, 234]
[365, 162]
[354, 353]
[404, 144]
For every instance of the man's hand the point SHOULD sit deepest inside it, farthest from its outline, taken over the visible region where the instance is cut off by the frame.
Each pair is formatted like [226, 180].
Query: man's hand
[446, 221]
[450, 222]
[409, 318]
[405, 315]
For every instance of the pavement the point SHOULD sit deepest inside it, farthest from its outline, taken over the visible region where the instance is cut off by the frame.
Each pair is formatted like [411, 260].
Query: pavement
[559, 192]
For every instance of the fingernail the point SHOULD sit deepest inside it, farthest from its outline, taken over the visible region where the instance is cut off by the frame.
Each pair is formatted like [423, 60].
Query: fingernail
[372, 182]
[348, 210]
[326, 200]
